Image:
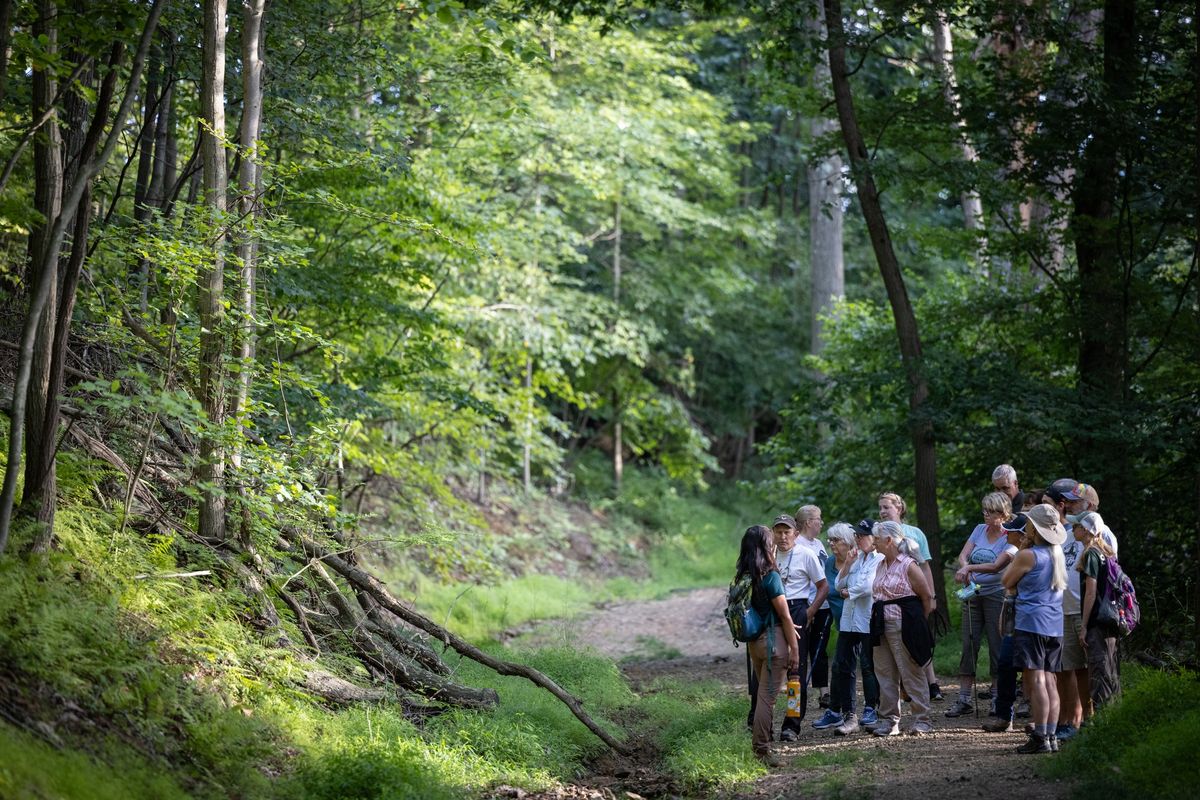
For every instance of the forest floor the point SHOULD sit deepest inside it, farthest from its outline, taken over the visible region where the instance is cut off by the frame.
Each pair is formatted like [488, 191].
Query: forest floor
[684, 637]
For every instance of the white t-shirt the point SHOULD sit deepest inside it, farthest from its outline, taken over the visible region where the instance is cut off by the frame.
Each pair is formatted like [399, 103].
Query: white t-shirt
[800, 570]
[816, 546]
[1072, 550]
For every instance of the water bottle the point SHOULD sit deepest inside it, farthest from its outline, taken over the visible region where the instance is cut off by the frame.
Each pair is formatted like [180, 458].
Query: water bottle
[793, 695]
[968, 591]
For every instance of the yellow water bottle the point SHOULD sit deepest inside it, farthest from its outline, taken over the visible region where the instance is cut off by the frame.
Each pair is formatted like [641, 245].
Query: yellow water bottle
[793, 695]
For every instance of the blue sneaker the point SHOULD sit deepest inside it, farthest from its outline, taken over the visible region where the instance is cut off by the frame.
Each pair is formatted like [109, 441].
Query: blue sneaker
[869, 717]
[1065, 732]
[829, 719]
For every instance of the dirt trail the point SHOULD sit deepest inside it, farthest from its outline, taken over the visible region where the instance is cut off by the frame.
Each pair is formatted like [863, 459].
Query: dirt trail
[684, 635]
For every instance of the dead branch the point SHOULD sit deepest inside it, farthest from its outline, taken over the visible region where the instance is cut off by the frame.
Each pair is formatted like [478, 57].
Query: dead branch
[365, 582]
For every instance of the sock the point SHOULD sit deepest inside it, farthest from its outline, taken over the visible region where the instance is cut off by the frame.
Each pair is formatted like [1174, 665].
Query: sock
[1044, 730]
[964, 695]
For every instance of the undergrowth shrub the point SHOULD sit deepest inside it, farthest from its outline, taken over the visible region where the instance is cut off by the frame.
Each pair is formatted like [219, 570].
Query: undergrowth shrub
[1143, 745]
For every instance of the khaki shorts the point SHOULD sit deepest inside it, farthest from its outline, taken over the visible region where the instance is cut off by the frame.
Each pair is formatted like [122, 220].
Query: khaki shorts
[1073, 655]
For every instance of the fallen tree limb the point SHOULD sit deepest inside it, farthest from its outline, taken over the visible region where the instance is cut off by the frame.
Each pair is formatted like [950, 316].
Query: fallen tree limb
[340, 691]
[365, 582]
[379, 653]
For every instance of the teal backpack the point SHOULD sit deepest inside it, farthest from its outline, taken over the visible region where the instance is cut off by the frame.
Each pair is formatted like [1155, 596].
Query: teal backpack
[745, 624]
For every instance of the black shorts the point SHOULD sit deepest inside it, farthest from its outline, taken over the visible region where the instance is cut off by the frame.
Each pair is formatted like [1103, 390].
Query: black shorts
[1035, 651]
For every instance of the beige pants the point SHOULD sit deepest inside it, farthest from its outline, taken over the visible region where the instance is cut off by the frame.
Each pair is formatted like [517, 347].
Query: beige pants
[894, 665]
[772, 677]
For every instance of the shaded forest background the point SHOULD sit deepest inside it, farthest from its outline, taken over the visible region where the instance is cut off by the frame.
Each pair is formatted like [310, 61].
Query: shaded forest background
[274, 269]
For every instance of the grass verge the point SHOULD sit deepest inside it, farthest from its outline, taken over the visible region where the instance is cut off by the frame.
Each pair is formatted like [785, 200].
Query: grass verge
[1142, 746]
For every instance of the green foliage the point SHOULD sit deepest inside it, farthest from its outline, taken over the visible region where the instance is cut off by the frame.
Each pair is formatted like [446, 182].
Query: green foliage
[700, 728]
[33, 769]
[1141, 745]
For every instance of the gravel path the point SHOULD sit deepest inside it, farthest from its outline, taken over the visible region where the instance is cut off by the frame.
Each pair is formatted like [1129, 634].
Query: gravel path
[685, 635]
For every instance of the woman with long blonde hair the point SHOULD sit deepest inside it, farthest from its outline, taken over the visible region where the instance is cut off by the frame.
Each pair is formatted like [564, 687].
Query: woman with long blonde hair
[1104, 680]
[1039, 576]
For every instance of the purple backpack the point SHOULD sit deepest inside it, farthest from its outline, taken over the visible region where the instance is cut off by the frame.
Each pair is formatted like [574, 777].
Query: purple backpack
[1118, 612]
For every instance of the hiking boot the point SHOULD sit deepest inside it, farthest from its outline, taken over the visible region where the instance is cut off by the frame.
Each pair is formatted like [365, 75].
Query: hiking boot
[823, 700]
[1053, 740]
[787, 735]
[887, 727]
[768, 759]
[1065, 732]
[998, 726]
[1030, 728]
[827, 720]
[984, 694]
[935, 692]
[849, 726]
[1023, 708]
[1036, 744]
[919, 728]
[959, 708]
[869, 717]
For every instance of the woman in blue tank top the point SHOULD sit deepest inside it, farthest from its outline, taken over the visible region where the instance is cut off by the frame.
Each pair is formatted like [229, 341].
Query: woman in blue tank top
[1039, 575]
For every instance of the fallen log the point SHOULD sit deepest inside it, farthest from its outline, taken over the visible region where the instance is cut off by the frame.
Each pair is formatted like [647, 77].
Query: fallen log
[367, 583]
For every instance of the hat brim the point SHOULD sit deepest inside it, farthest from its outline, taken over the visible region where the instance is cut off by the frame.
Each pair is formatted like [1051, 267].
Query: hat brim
[1055, 534]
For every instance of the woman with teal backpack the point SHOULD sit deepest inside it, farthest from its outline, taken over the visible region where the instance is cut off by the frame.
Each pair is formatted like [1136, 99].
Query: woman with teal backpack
[777, 651]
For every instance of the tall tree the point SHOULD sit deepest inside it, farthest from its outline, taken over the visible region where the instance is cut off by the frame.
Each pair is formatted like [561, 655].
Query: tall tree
[920, 424]
[45, 259]
[825, 216]
[1099, 242]
[211, 303]
[249, 189]
[943, 53]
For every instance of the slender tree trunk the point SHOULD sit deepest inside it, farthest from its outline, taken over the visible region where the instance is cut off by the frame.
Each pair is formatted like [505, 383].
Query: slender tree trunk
[618, 457]
[6, 7]
[212, 275]
[921, 427]
[825, 217]
[972, 205]
[249, 184]
[43, 270]
[151, 110]
[44, 273]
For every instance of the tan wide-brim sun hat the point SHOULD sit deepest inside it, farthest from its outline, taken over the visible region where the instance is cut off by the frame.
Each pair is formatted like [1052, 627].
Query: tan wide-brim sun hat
[1044, 519]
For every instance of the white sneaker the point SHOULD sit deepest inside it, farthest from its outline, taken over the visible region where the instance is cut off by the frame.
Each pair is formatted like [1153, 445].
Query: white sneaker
[848, 727]
[887, 727]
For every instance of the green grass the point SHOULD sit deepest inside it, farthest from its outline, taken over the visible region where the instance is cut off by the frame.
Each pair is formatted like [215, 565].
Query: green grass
[31, 768]
[1143, 746]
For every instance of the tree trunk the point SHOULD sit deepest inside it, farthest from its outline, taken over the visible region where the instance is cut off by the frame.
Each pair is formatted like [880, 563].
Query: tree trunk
[618, 456]
[45, 271]
[50, 356]
[972, 205]
[249, 183]
[6, 7]
[825, 217]
[920, 426]
[211, 278]
[43, 268]
[1103, 355]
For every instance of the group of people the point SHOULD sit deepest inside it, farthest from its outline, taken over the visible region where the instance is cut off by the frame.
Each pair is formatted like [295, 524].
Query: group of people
[1028, 586]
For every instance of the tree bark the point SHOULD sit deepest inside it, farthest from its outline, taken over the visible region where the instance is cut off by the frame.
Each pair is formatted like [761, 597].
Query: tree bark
[825, 217]
[618, 456]
[211, 471]
[43, 270]
[920, 426]
[46, 269]
[1103, 352]
[972, 205]
[249, 185]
